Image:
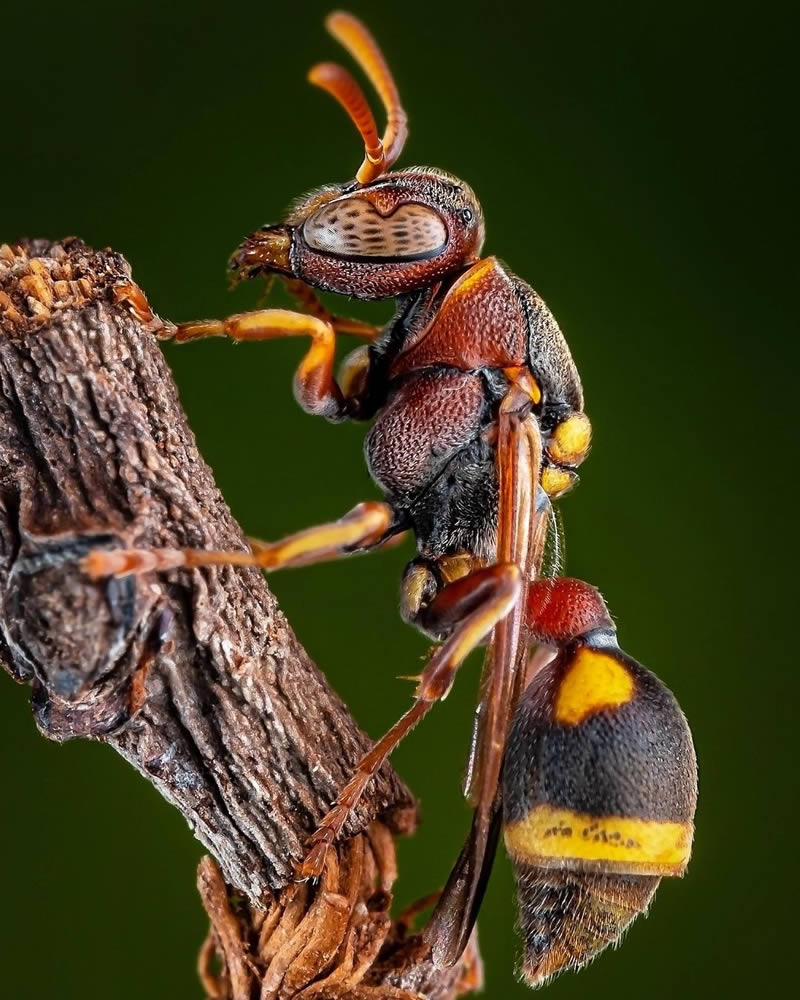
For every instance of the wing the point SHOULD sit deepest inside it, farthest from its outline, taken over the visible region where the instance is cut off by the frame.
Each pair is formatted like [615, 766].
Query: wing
[521, 534]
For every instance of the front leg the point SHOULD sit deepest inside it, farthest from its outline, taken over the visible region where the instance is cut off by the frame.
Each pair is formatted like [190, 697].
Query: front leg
[315, 387]
[307, 298]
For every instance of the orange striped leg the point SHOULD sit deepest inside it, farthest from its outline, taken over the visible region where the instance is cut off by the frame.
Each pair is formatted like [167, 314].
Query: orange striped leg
[366, 526]
[500, 586]
[314, 385]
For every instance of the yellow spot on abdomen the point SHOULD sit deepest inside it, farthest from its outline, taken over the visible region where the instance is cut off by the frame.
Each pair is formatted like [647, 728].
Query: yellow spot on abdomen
[552, 838]
[595, 680]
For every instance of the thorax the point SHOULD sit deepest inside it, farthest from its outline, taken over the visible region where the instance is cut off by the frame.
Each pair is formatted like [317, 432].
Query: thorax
[477, 322]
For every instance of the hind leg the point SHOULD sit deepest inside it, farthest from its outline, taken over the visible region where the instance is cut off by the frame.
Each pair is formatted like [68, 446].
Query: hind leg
[469, 609]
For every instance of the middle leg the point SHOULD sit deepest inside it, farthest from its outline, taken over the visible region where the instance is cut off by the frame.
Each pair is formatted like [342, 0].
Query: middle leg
[366, 526]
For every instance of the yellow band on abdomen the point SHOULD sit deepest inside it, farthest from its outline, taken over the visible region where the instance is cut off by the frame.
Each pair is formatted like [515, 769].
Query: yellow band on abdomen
[551, 837]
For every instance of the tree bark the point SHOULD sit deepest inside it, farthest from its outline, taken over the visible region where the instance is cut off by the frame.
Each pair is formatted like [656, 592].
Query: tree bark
[194, 677]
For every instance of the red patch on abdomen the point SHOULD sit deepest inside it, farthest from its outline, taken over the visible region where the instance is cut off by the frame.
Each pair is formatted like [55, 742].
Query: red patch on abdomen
[563, 609]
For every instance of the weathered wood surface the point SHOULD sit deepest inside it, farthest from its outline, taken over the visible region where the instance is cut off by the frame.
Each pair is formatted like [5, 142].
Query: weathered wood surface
[195, 678]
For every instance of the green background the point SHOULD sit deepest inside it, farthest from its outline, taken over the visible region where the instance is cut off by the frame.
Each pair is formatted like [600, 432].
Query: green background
[633, 164]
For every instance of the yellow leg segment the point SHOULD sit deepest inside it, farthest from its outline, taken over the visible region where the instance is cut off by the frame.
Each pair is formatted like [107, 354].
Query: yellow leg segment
[364, 527]
[315, 387]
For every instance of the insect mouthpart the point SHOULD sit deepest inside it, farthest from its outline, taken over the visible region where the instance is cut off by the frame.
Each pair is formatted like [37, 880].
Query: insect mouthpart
[265, 250]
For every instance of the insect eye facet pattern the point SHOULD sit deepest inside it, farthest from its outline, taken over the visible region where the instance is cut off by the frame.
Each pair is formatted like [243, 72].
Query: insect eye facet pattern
[582, 760]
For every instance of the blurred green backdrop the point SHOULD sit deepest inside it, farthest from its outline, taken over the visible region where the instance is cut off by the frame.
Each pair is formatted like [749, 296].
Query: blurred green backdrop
[633, 163]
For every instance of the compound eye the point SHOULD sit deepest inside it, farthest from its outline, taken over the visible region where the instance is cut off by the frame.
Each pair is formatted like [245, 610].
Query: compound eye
[354, 228]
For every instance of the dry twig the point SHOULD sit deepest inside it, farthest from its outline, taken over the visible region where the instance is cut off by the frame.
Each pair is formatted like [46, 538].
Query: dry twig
[195, 678]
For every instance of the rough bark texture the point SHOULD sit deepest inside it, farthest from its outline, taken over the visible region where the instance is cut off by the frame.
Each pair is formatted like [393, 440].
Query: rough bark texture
[194, 677]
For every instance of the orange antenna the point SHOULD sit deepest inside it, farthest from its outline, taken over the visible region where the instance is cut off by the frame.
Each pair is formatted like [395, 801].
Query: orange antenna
[341, 86]
[353, 35]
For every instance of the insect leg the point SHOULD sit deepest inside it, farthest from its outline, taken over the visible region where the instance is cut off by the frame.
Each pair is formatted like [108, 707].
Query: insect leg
[521, 532]
[306, 297]
[484, 598]
[365, 527]
[315, 387]
[129, 294]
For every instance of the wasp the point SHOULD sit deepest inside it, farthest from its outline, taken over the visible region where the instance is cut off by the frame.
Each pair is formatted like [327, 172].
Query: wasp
[581, 757]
